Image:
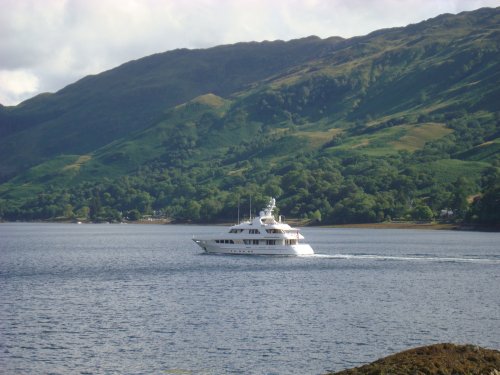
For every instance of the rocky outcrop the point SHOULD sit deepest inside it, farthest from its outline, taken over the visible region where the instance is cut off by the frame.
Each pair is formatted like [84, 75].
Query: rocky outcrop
[439, 359]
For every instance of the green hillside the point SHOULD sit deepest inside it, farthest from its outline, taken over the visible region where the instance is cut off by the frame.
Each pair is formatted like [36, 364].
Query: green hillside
[99, 109]
[400, 123]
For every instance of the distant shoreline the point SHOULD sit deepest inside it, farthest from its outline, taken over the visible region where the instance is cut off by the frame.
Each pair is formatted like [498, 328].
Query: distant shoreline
[420, 226]
[299, 223]
[409, 225]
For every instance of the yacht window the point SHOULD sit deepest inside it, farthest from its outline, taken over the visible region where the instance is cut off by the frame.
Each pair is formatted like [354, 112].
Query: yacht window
[270, 242]
[274, 231]
[253, 231]
[255, 242]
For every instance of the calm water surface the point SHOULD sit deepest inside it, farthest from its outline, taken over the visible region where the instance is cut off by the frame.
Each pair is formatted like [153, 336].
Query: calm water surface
[132, 299]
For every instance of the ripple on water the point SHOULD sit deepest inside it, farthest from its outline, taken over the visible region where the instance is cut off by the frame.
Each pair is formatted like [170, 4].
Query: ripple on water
[102, 299]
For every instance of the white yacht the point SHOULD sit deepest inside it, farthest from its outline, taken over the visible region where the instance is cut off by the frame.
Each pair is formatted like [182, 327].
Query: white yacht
[262, 235]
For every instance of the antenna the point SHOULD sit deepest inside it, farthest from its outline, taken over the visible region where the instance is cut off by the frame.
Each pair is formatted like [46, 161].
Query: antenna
[238, 209]
[250, 217]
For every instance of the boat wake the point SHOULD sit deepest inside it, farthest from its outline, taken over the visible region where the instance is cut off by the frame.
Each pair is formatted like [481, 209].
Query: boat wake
[406, 258]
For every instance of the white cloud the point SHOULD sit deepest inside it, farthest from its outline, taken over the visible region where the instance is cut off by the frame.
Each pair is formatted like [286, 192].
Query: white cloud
[56, 42]
[17, 84]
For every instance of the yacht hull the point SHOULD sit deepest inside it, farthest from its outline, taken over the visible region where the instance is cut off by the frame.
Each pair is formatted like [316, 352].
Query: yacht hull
[240, 249]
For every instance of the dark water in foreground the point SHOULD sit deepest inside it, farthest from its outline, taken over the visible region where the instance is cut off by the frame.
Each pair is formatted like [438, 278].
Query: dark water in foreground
[131, 299]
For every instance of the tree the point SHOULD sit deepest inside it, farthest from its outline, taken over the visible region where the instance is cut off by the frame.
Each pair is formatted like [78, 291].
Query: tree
[68, 211]
[460, 192]
[209, 208]
[95, 207]
[316, 216]
[422, 212]
[83, 212]
[356, 208]
[134, 215]
[192, 211]
[112, 215]
[486, 209]
[142, 202]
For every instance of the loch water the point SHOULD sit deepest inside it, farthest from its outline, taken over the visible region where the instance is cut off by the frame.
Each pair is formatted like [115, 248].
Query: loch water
[143, 299]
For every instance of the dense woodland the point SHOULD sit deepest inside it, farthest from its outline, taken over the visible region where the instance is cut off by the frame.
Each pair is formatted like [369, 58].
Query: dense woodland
[325, 189]
[402, 124]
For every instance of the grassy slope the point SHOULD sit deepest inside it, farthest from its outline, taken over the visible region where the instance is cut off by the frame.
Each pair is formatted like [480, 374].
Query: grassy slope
[408, 137]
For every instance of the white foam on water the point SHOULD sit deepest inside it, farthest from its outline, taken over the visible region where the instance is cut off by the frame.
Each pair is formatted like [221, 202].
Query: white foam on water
[411, 258]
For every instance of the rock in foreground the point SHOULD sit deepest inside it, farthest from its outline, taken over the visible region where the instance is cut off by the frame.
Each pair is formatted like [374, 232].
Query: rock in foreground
[439, 359]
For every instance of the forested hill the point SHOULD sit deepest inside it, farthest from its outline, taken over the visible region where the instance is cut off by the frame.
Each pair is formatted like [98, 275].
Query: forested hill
[401, 123]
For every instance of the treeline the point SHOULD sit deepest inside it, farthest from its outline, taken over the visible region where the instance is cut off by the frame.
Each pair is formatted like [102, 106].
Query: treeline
[327, 190]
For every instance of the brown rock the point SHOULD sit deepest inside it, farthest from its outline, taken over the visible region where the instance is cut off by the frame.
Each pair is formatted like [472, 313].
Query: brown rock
[439, 359]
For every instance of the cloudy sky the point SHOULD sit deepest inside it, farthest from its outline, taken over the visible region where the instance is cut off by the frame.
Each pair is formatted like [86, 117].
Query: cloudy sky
[48, 44]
